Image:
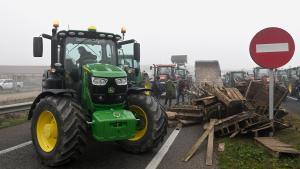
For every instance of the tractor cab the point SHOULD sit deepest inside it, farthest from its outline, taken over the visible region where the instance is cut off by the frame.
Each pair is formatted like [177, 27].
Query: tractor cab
[293, 73]
[163, 71]
[261, 74]
[282, 77]
[234, 78]
[180, 72]
[237, 79]
[74, 51]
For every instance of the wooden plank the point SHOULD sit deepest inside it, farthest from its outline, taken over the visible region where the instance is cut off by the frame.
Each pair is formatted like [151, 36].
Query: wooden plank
[222, 97]
[189, 122]
[275, 146]
[187, 110]
[238, 93]
[188, 115]
[205, 100]
[210, 147]
[234, 134]
[235, 96]
[228, 91]
[197, 144]
[171, 115]
[221, 147]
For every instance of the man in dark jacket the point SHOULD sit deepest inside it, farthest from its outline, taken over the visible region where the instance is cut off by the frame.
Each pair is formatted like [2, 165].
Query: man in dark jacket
[170, 91]
[156, 88]
[180, 89]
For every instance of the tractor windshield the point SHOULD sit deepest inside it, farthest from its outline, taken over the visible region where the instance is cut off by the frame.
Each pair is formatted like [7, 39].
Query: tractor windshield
[165, 70]
[180, 72]
[81, 51]
[238, 76]
[260, 73]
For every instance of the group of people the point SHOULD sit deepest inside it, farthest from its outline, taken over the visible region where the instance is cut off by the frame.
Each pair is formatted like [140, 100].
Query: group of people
[172, 90]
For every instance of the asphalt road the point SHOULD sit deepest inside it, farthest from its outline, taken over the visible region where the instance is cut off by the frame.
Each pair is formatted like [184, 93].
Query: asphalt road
[109, 155]
[106, 155]
[292, 105]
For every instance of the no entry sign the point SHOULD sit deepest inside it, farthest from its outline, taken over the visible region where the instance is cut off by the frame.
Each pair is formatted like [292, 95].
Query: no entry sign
[272, 48]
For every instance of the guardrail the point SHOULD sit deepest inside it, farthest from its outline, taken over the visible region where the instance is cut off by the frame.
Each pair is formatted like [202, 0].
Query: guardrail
[6, 109]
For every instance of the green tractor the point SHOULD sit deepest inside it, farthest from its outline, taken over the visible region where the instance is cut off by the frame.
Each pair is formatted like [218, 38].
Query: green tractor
[237, 79]
[86, 92]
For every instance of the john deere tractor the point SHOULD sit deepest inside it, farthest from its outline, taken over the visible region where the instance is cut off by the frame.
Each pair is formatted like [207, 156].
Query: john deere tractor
[86, 91]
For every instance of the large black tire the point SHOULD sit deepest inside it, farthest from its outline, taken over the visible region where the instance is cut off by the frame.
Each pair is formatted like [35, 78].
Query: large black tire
[71, 130]
[156, 128]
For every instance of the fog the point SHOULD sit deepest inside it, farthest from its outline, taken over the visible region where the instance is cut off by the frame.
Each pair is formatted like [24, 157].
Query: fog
[213, 30]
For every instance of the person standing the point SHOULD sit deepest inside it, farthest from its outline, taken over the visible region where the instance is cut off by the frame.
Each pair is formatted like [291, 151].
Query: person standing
[180, 89]
[156, 88]
[170, 91]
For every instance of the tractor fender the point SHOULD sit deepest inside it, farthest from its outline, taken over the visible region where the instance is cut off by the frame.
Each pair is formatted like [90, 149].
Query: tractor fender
[135, 90]
[49, 92]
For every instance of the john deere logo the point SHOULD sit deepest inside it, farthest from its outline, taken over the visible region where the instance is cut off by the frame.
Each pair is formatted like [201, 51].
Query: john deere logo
[111, 90]
[116, 114]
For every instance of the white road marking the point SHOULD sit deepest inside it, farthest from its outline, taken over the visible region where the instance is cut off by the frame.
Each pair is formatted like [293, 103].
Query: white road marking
[163, 150]
[15, 147]
[272, 47]
[293, 98]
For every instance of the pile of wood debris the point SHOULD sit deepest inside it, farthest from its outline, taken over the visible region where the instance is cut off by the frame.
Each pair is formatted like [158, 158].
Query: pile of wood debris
[227, 112]
[238, 113]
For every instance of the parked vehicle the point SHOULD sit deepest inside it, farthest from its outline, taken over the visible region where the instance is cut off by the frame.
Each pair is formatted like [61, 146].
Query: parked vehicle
[237, 79]
[10, 84]
[88, 92]
[163, 71]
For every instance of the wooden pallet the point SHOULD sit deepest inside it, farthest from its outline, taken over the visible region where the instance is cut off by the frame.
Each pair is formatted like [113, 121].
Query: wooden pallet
[276, 147]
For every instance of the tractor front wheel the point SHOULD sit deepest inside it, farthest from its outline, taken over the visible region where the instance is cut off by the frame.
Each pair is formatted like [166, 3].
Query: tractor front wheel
[152, 124]
[59, 130]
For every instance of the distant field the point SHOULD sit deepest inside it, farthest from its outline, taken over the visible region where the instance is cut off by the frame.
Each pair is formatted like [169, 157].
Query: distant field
[22, 69]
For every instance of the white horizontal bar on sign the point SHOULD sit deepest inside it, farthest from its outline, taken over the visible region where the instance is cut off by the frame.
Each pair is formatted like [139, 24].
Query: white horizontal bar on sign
[272, 47]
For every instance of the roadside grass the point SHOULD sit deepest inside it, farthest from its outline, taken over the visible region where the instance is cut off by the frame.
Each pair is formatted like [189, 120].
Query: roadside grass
[243, 153]
[12, 120]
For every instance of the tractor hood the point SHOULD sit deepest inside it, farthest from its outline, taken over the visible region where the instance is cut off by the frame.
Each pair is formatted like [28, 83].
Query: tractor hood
[104, 70]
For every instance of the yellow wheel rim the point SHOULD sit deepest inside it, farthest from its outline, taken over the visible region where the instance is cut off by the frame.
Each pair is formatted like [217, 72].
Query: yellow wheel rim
[140, 113]
[46, 130]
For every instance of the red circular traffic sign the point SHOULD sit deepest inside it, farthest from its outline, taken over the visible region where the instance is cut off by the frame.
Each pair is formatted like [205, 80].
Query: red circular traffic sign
[272, 48]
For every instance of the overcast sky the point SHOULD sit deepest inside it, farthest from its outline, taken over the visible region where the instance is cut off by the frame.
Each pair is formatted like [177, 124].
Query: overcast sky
[214, 30]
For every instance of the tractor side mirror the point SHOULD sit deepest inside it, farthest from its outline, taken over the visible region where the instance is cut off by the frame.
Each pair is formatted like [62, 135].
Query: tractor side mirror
[37, 47]
[137, 51]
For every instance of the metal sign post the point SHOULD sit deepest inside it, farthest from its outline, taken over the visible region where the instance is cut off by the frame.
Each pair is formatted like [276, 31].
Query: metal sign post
[272, 48]
[271, 98]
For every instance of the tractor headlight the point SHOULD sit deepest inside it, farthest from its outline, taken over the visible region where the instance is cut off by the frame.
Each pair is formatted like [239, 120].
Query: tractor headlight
[121, 81]
[99, 81]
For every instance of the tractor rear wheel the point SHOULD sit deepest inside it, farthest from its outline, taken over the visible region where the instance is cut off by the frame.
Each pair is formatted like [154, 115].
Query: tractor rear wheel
[58, 130]
[152, 125]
